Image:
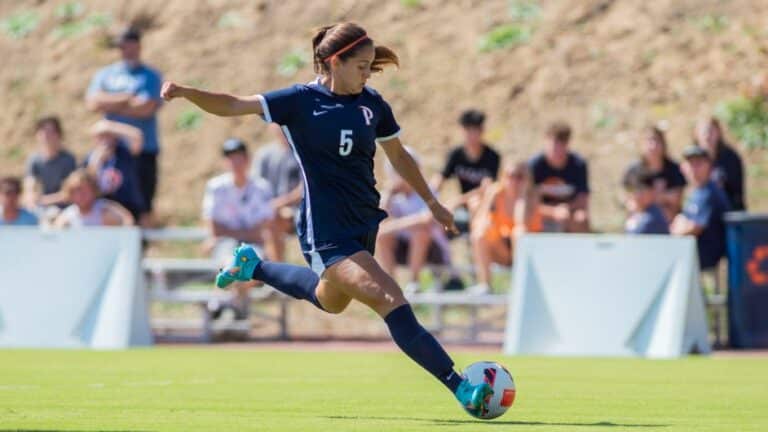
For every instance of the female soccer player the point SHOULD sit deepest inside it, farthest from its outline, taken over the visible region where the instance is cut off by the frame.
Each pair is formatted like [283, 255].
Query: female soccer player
[333, 125]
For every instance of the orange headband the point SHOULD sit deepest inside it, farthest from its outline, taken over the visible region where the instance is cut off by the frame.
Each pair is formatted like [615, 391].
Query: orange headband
[346, 48]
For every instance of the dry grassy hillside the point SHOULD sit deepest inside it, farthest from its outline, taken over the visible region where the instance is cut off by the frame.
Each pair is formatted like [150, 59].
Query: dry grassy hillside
[608, 66]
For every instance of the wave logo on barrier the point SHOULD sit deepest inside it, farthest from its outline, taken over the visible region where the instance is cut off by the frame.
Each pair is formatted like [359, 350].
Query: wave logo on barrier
[757, 274]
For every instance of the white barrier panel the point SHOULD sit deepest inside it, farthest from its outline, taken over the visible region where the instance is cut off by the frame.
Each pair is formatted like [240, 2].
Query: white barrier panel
[606, 295]
[72, 289]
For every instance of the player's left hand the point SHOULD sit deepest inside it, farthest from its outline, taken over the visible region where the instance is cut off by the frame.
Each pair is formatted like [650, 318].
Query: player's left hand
[443, 216]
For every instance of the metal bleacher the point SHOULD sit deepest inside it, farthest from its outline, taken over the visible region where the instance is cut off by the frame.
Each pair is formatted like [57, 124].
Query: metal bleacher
[169, 279]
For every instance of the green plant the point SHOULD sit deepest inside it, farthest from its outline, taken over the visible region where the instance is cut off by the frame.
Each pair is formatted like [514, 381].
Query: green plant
[74, 28]
[711, 23]
[292, 62]
[19, 25]
[524, 10]
[189, 120]
[602, 117]
[747, 119]
[504, 36]
[230, 19]
[69, 11]
[411, 3]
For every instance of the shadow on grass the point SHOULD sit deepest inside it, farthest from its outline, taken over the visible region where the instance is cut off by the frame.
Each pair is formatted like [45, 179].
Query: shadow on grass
[446, 422]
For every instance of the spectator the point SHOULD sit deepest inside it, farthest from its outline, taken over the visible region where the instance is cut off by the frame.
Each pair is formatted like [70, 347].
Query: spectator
[112, 164]
[473, 163]
[645, 214]
[667, 179]
[409, 236]
[237, 208]
[276, 164]
[48, 167]
[508, 209]
[87, 209]
[703, 214]
[727, 167]
[10, 211]
[562, 180]
[128, 91]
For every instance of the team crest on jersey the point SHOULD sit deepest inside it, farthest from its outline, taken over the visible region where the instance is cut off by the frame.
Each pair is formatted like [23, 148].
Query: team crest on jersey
[367, 114]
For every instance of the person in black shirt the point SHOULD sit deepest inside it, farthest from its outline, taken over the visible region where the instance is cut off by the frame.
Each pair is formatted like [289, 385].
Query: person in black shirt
[668, 180]
[727, 167]
[473, 161]
[562, 180]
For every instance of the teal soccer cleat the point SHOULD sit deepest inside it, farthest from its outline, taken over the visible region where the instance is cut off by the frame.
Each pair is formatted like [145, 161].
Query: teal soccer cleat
[473, 397]
[242, 267]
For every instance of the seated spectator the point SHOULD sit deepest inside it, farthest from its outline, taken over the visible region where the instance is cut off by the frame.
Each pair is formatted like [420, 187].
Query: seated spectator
[562, 181]
[703, 214]
[48, 167]
[11, 212]
[508, 209]
[237, 208]
[727, 167]
[276, 164]
[473, 162]
[87, 209]
[668, 180]
[112, 164]
[645, 214]
[409, 236]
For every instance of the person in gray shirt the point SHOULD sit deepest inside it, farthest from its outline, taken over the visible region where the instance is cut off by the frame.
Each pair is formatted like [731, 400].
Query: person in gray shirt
[276, 164]
[48, 167]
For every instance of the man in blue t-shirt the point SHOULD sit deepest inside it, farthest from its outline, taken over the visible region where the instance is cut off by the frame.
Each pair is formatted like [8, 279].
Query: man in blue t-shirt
[645, 216]
[128, 91]
[704, 210]
[562, 181]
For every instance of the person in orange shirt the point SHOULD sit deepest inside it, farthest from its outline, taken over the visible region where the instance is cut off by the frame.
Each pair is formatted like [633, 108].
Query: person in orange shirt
[509, 208]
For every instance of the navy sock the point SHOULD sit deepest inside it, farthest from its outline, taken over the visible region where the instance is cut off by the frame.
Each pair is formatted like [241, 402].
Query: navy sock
[296, 281]
[421, 346]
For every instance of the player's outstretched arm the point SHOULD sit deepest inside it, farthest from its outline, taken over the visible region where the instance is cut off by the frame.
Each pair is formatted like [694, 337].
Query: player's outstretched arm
[221, 104]
[409, 171]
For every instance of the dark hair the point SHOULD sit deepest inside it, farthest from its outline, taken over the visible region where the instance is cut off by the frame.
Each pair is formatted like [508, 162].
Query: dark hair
[472, 118]
[658, 135]
[329, 40]
[639, 179]
[49, 120]
[559, 130]
[10, 182]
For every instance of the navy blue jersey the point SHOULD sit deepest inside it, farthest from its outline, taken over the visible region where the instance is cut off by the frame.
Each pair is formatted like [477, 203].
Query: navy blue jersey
[706, 207]
[334, 140]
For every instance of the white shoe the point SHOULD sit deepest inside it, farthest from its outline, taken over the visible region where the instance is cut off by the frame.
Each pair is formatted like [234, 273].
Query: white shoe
[479, 289]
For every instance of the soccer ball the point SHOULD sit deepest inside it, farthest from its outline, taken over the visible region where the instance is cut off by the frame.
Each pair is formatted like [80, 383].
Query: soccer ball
[500, 380]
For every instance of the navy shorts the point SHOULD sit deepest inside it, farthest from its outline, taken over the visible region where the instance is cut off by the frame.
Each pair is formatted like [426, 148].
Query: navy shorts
[328, 253]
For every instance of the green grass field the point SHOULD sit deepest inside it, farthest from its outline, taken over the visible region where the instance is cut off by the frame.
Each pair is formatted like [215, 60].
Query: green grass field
[180, 389]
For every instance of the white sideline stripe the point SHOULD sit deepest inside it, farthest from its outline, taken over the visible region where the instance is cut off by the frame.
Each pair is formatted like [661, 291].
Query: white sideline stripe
[310, 225]
[265, 108]
[387, 138]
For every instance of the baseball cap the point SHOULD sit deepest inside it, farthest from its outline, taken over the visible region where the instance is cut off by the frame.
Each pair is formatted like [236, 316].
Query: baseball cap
[695, 151]
[233, 145]
[130, 34]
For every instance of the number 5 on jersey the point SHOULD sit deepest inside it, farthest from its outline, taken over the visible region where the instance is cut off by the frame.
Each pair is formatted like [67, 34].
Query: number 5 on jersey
[345, 142]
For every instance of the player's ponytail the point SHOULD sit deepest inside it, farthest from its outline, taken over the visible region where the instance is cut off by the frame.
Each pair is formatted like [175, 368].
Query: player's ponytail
[342, 41]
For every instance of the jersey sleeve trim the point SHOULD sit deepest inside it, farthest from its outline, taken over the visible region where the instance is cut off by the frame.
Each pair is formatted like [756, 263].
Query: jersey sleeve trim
[390, 137]
[265, 108]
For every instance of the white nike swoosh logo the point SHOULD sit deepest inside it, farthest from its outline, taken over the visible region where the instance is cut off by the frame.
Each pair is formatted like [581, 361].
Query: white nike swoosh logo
[317, 113]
